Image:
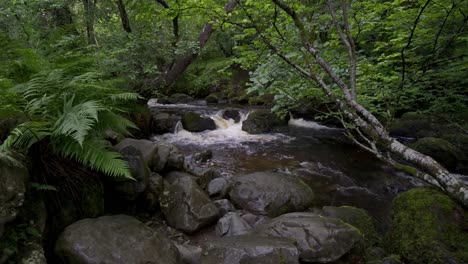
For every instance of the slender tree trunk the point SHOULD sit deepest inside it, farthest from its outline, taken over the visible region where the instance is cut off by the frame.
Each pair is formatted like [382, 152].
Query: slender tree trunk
[124, 16]
[374, 135]
[89, 7]
[176, 69]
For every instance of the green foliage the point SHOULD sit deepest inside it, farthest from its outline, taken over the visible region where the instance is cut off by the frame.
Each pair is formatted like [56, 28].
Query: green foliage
[68, 107]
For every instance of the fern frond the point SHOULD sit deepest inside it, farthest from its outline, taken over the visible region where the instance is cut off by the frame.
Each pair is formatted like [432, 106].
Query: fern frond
[25, 135]
[114, 122]
[95, 155]
[77, 120]
[125, 97]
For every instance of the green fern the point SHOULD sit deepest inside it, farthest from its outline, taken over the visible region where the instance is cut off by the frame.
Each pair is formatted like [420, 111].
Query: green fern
[77, 120]
[95, 154]
[73, 113]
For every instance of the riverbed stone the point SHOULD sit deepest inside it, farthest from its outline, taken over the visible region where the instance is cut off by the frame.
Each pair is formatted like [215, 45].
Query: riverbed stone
[154, 192]
[270, 193]
[190, 254]
[232, 114]
[177, 98]
[186, 207]
[147, 148]
[263, 121]
[232, 224]
[224, 206]
[194, 122]
[318, 238]
[249, 250]
[164, 122]
[218, 187]
[114, 239]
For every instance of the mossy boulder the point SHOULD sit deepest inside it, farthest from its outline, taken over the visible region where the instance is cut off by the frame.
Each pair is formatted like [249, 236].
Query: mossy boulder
[441, 150]
[358, 218]
[428, 227]
[212, 99]
[416, 126]
[194, 122]
[263, 121]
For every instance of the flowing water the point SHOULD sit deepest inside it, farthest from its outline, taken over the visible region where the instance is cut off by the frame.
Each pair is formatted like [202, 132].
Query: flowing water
[236, 152]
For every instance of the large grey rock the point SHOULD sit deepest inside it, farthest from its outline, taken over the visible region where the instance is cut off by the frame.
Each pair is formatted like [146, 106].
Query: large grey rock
[232, 224]
[114, 239]
[13, 177]
[177, 98]
[249, 250]
[318, 238]
[217, 187]
[195, 123]
[147, 148]
[186, 207]
[262, 121]
[190, 254]
[164, 122]
[153, 192]
[271, 193]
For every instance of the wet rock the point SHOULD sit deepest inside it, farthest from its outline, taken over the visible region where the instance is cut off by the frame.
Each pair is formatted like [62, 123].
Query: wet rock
[186, 207]
[203, 156]
[114, 239]
[190, 254]
[175, 159]
[224, 206]
[318, 238]
[177, 98]
[8, 124]
[126, 190]
[193, 122]
[232, 114]
[148, 150]
[212, 99]
[428, 227]
[153, 192]
[232, 224]
[249, 250]
[262, 121]
[255, 220]
[270, 193]
[13, 177]
[218, 187]
[441, 150]
[174, 176]
[165, 122]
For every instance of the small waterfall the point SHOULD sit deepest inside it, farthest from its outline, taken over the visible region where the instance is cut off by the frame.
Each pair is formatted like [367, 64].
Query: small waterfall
[300, 122]
[228, 132]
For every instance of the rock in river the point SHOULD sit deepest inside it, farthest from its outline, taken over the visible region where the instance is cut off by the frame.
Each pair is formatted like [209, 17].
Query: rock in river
[319, 239]
[186, 207]
[114, 239]
[271, 193]
[249, 250]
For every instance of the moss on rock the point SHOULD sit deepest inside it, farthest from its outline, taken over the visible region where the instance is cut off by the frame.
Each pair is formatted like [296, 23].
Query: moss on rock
[428, 227]
[439, 149]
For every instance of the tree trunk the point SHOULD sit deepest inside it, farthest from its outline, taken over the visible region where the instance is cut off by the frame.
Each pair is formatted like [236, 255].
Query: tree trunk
[89, 6]
[124, 16]
[175, 70]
